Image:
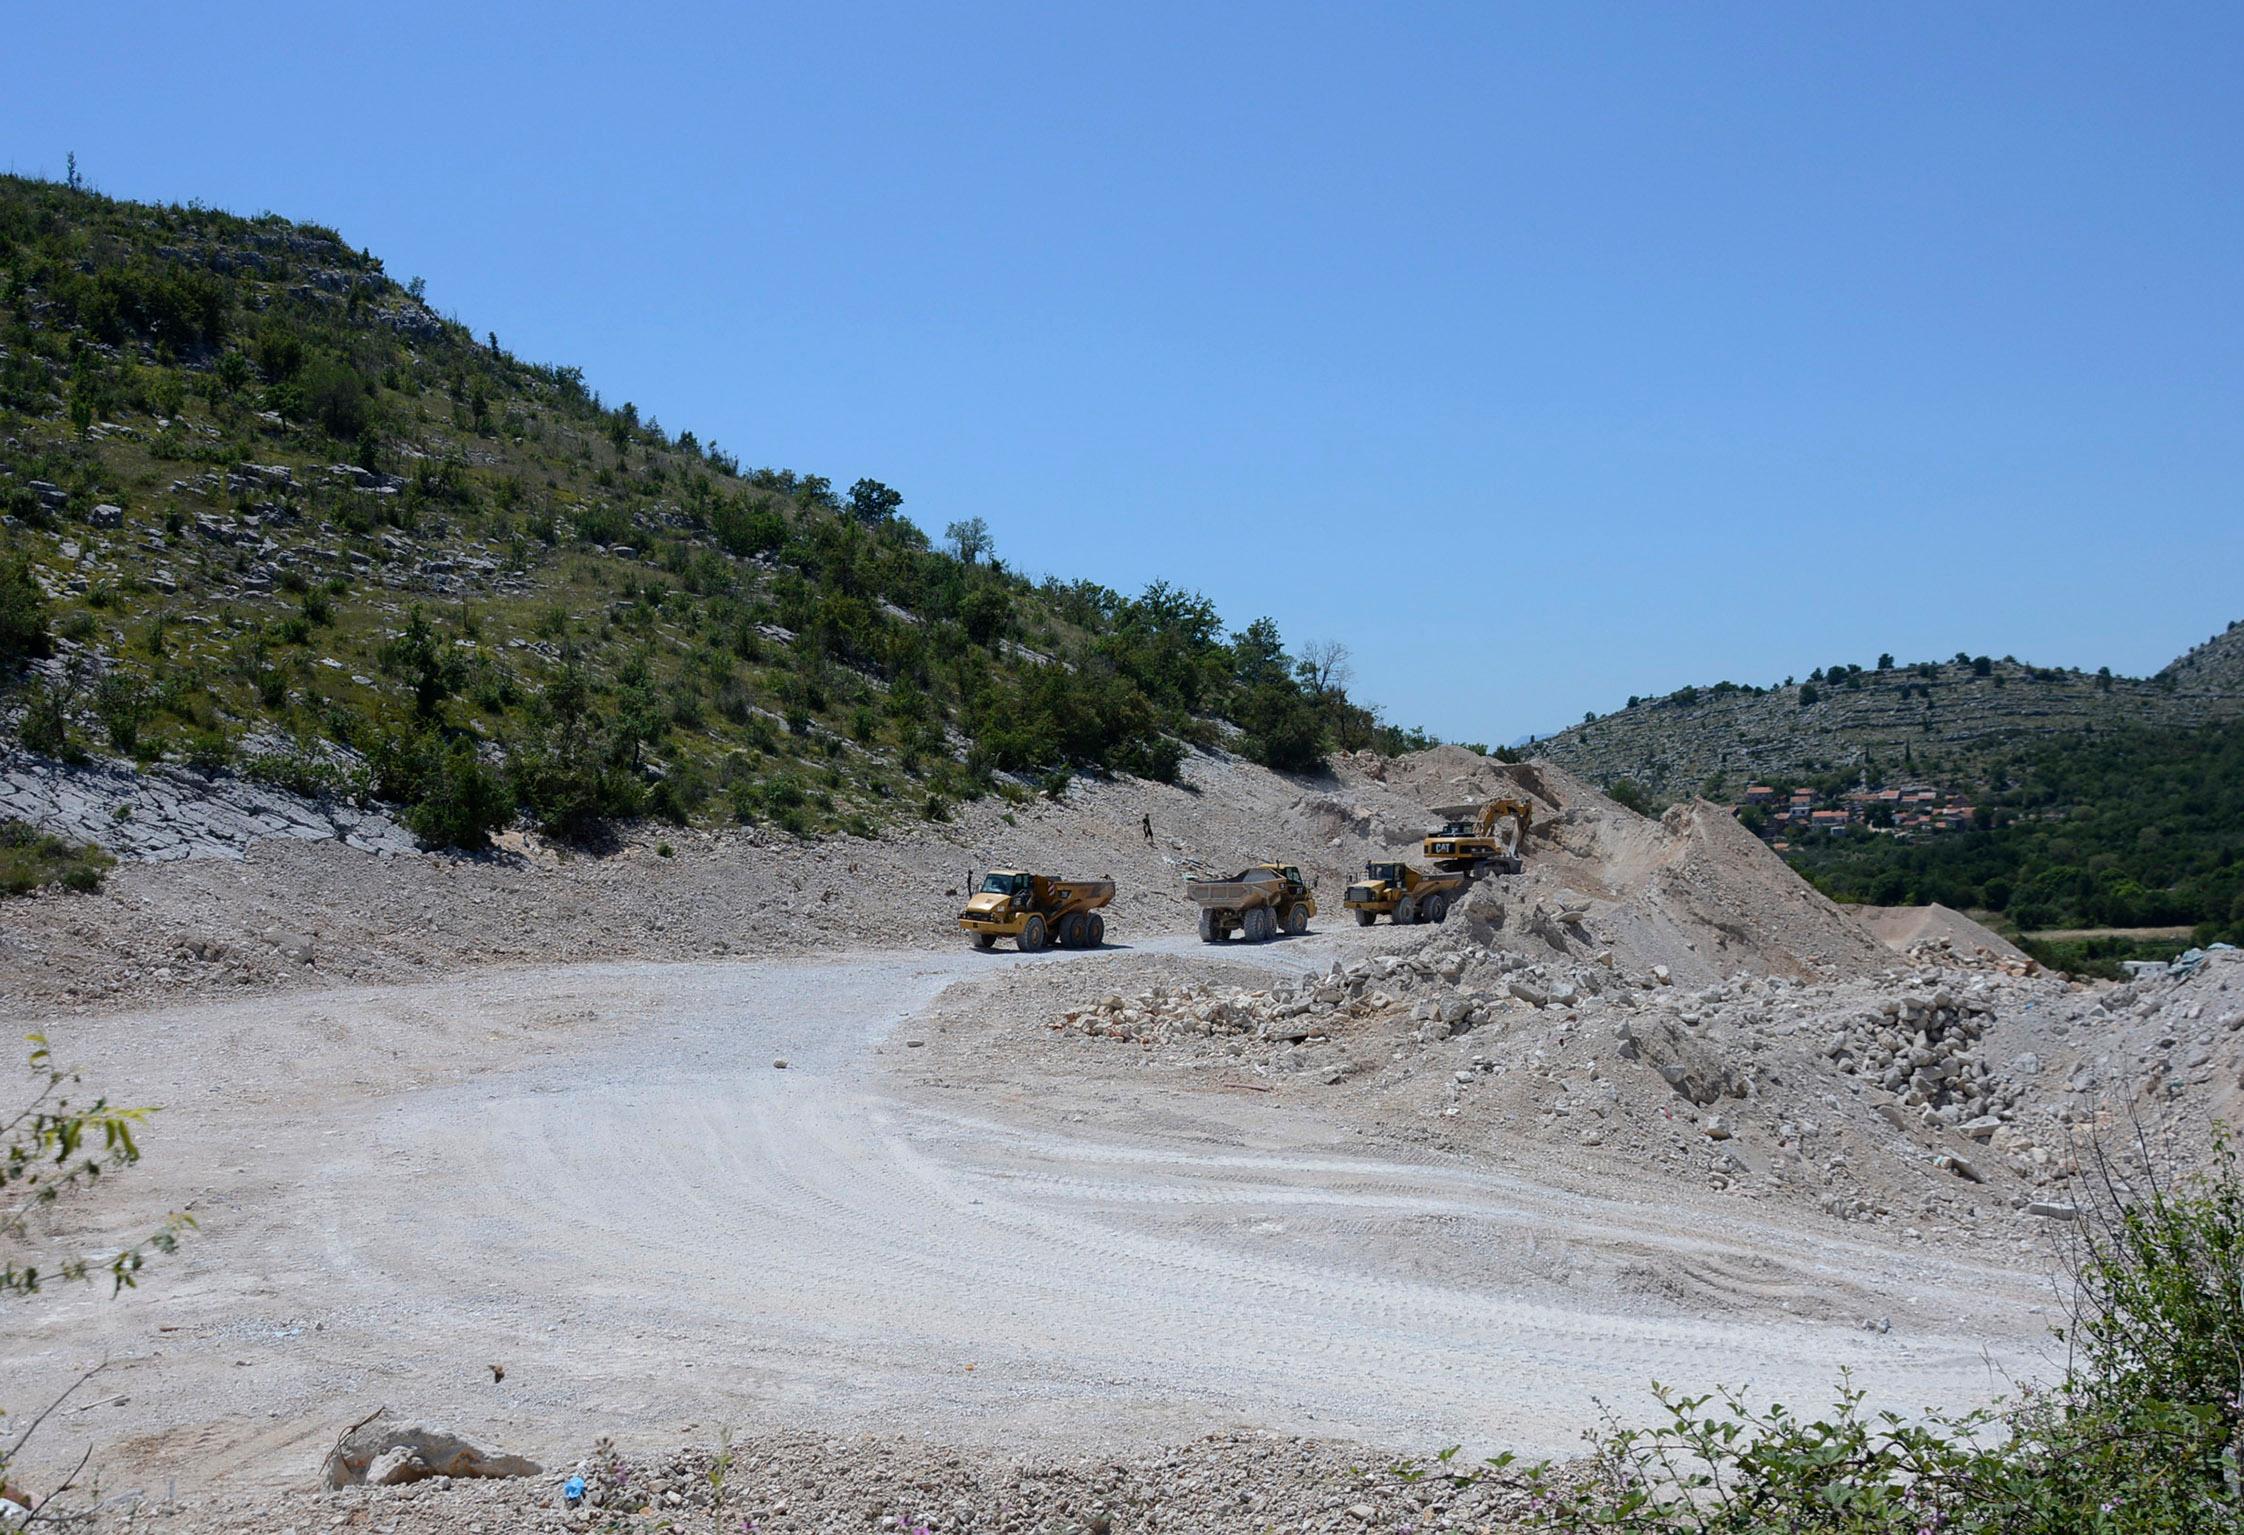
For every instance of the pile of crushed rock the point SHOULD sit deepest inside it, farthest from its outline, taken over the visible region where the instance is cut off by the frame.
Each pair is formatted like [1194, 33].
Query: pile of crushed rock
[1923, 1045]
[1932, 1096]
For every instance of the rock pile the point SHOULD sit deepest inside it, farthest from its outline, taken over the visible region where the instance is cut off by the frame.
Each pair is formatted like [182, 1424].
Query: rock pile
[1949, 954]
[1441, 988]
[1923, 1046]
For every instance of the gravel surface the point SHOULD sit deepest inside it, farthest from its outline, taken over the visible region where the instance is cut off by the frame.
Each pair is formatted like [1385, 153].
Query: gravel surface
[543, 1150]
[600, 1178]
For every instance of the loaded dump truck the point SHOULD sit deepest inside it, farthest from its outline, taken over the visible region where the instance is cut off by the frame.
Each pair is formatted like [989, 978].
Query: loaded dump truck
[1255, 903]
[1399, 891]
[1036, 911]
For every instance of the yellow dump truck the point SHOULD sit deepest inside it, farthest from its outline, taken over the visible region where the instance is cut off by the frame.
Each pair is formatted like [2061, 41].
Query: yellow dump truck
[1255, 903]
[1399, 891]
[1036, 911]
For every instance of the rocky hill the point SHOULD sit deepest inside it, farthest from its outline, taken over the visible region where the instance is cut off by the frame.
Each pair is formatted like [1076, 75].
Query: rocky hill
[265, 511]
[1939, 720]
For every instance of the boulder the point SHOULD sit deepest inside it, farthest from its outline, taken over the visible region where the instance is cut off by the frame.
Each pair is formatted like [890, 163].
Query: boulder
[384, 1452]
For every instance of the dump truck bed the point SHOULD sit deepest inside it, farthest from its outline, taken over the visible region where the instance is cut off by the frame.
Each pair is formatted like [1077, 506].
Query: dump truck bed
[1256, 887]
[1082, 894]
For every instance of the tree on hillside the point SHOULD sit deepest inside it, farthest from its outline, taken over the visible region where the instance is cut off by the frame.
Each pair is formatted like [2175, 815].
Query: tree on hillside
[23, 615]
[1885, 661]
[873, 503]
[970, 539]
[1325, 668]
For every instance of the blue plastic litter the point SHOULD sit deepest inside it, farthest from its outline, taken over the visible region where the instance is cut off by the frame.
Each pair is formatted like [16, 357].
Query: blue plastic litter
[572, 1491]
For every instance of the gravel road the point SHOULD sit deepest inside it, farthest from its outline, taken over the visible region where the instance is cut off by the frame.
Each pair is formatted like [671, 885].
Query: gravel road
[598, 1178]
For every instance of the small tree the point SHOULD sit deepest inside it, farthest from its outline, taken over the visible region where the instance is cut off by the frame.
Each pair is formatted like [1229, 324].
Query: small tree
[873, 503]
[419, 657]
[1325, 668]
[23, 615]
[970, 539]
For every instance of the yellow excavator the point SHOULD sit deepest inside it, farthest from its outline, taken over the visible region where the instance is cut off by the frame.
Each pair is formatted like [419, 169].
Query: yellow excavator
[1472, 847]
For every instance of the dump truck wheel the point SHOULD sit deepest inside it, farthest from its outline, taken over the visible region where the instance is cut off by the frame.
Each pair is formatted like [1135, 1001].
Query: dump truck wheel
[1366, 918]
[1437, 907]
[1253, 925]
[984, 941]
[1033, 935]
[1297, 919]
[1405, 913]
[1071, 930]
[1094, 933]
[1208, 930]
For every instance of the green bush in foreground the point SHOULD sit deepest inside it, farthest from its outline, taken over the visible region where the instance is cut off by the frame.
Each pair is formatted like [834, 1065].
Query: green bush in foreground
[2143, 1436]
[31, 860]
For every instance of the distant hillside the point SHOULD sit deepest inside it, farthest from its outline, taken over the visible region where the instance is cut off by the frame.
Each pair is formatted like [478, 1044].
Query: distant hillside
[2127, 828]
[264, 508]
[1942, 721]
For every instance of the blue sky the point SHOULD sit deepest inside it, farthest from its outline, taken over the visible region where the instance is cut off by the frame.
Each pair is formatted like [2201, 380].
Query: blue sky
[1542, 355]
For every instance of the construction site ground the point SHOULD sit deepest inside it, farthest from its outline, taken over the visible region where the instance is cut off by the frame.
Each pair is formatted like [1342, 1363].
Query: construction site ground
[640, 1145]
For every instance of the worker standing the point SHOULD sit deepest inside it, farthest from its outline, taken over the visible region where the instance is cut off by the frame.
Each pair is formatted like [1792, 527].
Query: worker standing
[1147, 822]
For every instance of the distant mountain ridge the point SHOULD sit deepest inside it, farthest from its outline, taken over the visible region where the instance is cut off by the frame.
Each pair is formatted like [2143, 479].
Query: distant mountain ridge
[1942, 720]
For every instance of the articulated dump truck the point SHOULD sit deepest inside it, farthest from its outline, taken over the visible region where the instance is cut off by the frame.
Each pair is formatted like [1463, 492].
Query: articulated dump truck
[1036, 911]
[1398, 891]
[1255, 903]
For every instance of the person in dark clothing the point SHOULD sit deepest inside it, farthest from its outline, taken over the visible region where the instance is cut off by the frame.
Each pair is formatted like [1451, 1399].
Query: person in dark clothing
[1148, 823]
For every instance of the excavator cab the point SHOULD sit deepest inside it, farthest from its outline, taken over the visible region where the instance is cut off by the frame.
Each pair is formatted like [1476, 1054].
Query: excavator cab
[1472, 847]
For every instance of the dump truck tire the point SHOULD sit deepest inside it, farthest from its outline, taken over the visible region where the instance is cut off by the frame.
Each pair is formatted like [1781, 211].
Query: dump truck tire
[1258, 924]
[1297, 919]
[1208, 930]
[1033, 936]
[984, 941]
[1437, 907]
[1071, 930]
[1366, 918]
[1405, 913]
[1094, 934]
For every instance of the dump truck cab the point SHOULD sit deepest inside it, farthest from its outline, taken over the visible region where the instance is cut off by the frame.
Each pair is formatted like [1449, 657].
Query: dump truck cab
[1036, 910]
[1397, 891]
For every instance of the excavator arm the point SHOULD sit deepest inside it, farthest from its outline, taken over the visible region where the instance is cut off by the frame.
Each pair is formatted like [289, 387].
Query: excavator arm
[1496, 809]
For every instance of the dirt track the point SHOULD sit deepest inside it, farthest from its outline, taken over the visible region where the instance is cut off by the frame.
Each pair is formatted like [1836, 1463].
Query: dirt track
[596, 1177]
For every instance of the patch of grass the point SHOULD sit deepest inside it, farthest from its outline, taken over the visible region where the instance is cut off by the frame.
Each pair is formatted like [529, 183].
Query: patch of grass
[33, 860]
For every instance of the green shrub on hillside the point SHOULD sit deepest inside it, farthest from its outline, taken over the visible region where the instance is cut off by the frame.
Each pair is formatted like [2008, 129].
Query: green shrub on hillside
[23, 615]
